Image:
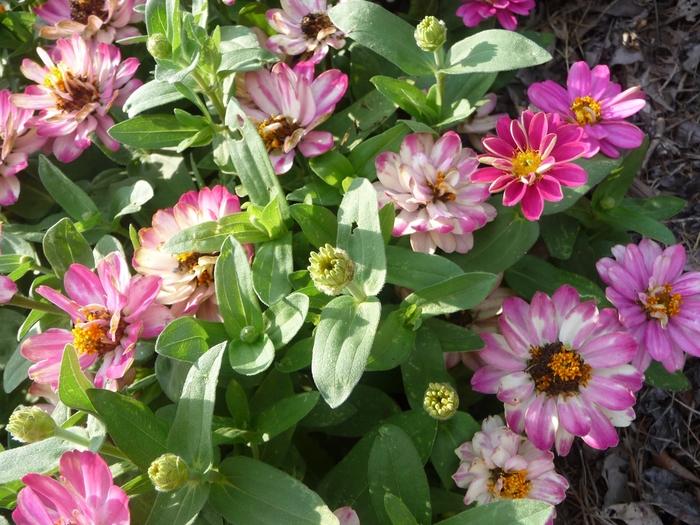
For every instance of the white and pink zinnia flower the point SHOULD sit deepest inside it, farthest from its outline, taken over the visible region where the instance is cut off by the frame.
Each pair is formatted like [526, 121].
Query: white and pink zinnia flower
[562, 369]
[103, 20]
[431, 184]
[17, 141]
[598, 105]
[110, 312]
[304, 28]
[499, 464]
[530, 160]
[188, 278]
[658, 302]
[83, 494]
[76, 87]
[286, 105]
[473, 12]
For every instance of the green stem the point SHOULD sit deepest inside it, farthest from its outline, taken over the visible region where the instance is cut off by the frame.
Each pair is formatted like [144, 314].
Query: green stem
[212, 93]
[30, 304]
[439, 79]
[72, 437]
[356, 291]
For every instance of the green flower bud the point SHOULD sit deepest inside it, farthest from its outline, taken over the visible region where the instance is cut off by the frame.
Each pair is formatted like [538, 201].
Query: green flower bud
[30, 424]
[158, 46]
[331, 269]
[168, 472]
[441, 401]
[249, 334]
[431, 34]
[608, 203]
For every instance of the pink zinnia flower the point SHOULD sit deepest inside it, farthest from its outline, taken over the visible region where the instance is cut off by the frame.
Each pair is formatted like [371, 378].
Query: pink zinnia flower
[83, 494]
[110, 311]
[431, 184]
[188, 278]
[599, 106]
[305, 29]
[473, 12]
[499, 464]
[658, 303]
[347, 516]
[17, 141]
[103, 20]
[530, 159]
[561, 367]
[287, 104]
[75, 89]
[8, 289]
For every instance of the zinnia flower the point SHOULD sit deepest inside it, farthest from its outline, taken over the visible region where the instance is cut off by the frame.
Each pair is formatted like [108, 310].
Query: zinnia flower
[431, 184]
[188, 278]
[499, 464]
[530, 160]
[17, 141]
[347, 516]
[8, 289]
[75, 89]
[599, 106]
[658, 303]
[103, 20]
[305, 29]
[473, 12]
[287, 104]
[562, 370]
[110, 311]
[84, 494]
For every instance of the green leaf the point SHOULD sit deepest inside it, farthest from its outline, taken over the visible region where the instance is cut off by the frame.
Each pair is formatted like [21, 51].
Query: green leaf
[284, 414]
[237, 404]
[65, 192]
[656, 375]
[297, 357]
[342, 344]
[459, 429]
[130, 199]
[398, 512]
[106, 245]
[559, 234]
[271, 268]
[285, 318]
[364, 154]
[64, 245]
[504, 512]
[181, 506]
[73, 384]
[393, 343]
[660, 207]
[251, 358]
[456, 293]
[453, 337]
[255, 493]
[318, 223]
[240, 60]
[627, 218]
[156, 17]
[332, 167]
[151, 95]
[15, 372]
[183, 339]
[151, 131]
[407, 96]
[472, 87]
[41, 456]
[610, 193]
[425, 365]
[416, 270]
[208, 237]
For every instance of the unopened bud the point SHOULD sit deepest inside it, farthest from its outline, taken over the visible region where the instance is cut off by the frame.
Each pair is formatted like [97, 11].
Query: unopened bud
[441, 401]
[168, 472]
[158, 46]
[249, 334]
[30, 424]
[431, 34]
[331, 269]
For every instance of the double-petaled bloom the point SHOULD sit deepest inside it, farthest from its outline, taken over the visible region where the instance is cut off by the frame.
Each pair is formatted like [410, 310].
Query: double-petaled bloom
[75, 89]
[658, 302]
[473, 12]
[103, 20]
[499, 464]
[84, 494]
[431, 183]
[110, 311]
[17, 141]
[562, 369]
[530, 159]
[286, 105]
[597, 105]
[304, 28]
[187, 278]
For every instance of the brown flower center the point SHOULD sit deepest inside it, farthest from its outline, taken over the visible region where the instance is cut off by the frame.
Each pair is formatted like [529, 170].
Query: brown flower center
[525, 163]
[557, 369]
[586, 110]
[662, 304]
[509, 485]
[80, 10]
[72, 93]
[91, 336]
[315, 23]
[275, 130]
[442, 191]
[200, 264]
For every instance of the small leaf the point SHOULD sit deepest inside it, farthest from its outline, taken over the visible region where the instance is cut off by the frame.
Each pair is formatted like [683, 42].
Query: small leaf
[504, 512]
[656, 375]
[151, 131]
[416, 270]
[285, 318]
[73, 384]
[398, 512]
[407, 96]
[271, 268]
[251, 358]
[284, 414]
[41, 456]
[456, 293]
[129, 199]
[66, 193]
[184, 339]
[64, 245]
[318, 224]
[459, 429]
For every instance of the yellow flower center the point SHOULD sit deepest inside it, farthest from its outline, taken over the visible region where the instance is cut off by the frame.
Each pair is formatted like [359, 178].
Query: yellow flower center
[202, 268]
[510, 485]
[54, 79]
[525, 163]
[274, 131]
[557, 369]
[586, 110]
[662, 303]
[442, 191]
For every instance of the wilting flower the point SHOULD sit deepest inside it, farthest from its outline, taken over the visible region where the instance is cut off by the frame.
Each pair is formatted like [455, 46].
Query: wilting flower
[530, 159]
[110, 311]
[287, 104]
[431, 184]
[188, 278]
[561, 367]
[103, 20]
[304, 28]
[84, 494]
[347, 516]
[17, 141]
[473, 12]
[75, 89]
[499, 464]
[599, 106]
[658, 303]
[481, 121]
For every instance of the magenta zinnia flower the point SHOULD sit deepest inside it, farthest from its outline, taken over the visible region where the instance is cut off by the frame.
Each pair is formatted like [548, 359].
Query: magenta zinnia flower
[110, 311]
[103, 20]
[8, 289]
[658, 303]
[430, 183]
[561, 367]
[188, 278]
[17, 141]
[74, 91]
[473, 12]
[287, 104]
[599, 106]
[84, 494]
[499, 464]
[530, 159]
[305, 29]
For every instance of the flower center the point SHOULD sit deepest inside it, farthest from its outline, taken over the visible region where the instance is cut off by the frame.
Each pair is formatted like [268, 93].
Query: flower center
[315, 23]
[557, 369]
[509, 485]
[200, 264]
[275, 130]
[72, 93]
[525, 163]
[91, 336]
[662, 304]
[80, 10]
[442, 191]
[586, 110]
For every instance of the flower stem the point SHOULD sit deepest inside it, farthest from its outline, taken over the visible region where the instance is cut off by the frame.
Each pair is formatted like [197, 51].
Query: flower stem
[30, 304]
[356, 291]
[212, 94]
[439, 79]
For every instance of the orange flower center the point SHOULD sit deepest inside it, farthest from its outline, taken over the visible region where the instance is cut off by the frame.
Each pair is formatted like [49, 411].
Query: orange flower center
[274, 131]
[526, 163]
[72, 93]
[80, 10]
[662, 304]
[201, 264]
[557, 369]
[586, 110]
[510, 485]
[90, 337]
[442, 191]
[315, 23]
